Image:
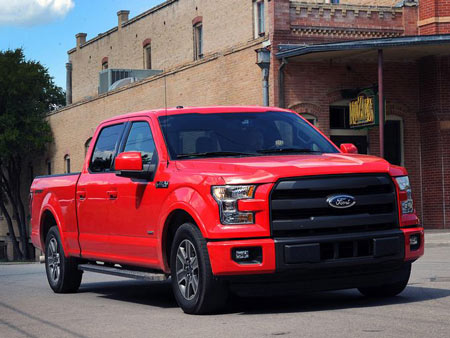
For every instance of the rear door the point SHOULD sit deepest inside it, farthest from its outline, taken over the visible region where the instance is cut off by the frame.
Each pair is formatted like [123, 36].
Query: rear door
[96, 193]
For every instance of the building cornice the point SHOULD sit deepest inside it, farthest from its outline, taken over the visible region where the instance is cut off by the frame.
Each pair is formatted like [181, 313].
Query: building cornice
[129, 22]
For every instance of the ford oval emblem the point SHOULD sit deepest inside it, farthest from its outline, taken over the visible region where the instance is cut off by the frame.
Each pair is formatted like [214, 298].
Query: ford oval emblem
[341, 201]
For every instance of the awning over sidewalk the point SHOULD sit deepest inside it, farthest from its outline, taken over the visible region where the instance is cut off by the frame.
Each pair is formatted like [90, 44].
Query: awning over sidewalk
[408, 48]
[399, 49]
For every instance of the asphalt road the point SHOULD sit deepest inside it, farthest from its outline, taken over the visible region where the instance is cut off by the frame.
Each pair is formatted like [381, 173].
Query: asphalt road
[115, 307]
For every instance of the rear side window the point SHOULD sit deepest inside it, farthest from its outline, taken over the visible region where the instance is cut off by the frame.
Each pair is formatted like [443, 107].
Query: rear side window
[105, 148]
[140, 139]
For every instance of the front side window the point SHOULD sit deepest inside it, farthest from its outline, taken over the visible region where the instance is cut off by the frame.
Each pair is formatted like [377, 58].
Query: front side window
[241, 134]
[140, 139]
[198, 41]
[105, 148]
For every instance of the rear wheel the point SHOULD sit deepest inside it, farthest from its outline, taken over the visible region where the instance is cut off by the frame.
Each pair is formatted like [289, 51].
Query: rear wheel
[196, 289]
[62, 272]
[387, 290]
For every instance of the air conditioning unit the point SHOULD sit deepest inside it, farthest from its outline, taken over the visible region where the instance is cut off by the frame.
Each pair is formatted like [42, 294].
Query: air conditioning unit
[108, 77]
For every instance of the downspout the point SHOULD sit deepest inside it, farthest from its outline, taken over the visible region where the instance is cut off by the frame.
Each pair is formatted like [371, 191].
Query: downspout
[281, 98]
[265, 73]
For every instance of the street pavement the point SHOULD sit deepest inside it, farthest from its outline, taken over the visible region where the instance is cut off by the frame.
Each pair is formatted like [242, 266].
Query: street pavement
[107, 306]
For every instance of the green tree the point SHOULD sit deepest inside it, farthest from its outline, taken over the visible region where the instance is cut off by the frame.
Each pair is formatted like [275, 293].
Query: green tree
[27, 94]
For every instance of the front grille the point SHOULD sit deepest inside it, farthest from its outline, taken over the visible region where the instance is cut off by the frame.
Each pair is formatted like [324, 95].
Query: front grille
[299, 207]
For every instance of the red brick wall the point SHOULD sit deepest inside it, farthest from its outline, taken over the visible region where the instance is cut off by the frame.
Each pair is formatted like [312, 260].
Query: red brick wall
[312, 87]
[434, 17]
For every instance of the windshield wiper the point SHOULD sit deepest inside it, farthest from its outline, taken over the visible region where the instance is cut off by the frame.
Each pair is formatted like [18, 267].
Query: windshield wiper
[215, 153]
[286, 150]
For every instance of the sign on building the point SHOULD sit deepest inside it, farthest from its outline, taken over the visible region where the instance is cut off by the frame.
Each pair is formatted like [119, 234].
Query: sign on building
[364, 110]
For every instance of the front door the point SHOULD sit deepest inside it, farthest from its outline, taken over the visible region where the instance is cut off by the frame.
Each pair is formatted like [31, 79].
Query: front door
[132, 229]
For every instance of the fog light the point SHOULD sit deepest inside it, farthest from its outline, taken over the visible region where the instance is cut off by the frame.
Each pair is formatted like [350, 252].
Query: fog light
[250, 255]
[414, 242]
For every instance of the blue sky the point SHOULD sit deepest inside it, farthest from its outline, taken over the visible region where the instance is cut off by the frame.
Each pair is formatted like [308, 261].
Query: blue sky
[46, 29]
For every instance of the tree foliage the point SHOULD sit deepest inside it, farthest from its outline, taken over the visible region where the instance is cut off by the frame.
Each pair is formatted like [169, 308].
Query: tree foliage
[27, 94]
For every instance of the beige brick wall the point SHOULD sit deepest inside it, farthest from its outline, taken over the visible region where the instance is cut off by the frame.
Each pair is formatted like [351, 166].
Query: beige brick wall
[230, 79]
[225, 23]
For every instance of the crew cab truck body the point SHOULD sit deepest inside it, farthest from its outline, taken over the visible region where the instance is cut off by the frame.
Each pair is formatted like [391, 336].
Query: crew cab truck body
[219, 196]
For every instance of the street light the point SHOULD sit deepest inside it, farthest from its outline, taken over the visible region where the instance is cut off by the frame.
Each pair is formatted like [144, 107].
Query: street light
[263, 61]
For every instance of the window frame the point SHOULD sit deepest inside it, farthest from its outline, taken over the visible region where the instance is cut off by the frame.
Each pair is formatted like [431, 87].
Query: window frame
[259, 18]
[116, 147]
[126, 135]
[198, 40]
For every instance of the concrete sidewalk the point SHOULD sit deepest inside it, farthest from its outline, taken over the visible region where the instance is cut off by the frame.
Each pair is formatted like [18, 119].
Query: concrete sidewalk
[434, 238]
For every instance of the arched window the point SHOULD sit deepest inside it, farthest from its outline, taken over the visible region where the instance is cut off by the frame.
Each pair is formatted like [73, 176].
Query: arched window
[147, 49]
[67, 164]
[198, 37]
[105, 63]
[86, 145]
[310, 118]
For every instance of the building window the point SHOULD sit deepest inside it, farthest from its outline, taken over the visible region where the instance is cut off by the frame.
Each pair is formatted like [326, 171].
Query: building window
[105, 63]
[259, 18]
[393, 140]
[198, 41]
[49, 167]
[148, 57]
[310, 118]
[147, 49]
[339, 117]
[67, 164]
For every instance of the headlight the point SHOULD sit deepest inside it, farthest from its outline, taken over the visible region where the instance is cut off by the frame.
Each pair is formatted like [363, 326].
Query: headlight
[227, 196]
[406, 200]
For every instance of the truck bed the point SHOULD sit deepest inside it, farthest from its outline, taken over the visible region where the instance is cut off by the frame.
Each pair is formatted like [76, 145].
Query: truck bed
[57, 195]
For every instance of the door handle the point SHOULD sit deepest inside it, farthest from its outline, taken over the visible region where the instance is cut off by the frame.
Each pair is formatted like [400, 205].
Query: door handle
[112, 194]
[81, 194]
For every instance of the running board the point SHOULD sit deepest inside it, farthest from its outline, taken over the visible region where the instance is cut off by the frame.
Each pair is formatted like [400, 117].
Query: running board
[150, 276]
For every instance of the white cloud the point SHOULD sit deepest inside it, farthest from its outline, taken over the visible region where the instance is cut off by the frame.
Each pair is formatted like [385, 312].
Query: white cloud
[32, 12]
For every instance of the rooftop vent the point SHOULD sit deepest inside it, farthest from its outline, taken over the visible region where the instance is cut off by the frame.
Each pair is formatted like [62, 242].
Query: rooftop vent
[108, 77]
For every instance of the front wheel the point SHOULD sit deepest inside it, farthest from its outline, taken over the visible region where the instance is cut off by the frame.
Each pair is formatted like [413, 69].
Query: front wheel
[196, 289]
[387, 290]
[62, 272]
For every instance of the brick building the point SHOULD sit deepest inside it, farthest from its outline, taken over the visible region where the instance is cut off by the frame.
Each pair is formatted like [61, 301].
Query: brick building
[202, 52]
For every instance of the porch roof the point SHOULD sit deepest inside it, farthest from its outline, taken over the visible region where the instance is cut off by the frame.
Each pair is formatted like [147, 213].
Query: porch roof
[405, 48]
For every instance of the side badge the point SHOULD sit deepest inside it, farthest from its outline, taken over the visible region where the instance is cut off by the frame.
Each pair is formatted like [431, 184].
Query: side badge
[162, 184]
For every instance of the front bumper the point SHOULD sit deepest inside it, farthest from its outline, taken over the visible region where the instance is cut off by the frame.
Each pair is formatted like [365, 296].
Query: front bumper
[317, 253]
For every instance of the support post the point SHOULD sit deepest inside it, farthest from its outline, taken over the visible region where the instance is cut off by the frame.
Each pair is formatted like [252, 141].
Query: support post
[381, 101]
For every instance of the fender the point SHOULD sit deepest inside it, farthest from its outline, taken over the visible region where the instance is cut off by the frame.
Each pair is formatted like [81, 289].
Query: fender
[193, 203]
[69, 239]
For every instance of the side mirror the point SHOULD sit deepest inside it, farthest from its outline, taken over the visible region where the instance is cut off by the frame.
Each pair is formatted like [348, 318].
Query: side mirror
[129, 164]
[349, 148]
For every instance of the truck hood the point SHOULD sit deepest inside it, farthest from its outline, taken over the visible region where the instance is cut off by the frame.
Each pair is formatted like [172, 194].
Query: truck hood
[267, 169]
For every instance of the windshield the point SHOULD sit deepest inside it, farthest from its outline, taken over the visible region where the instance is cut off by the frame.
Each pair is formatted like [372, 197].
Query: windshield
[240, 134]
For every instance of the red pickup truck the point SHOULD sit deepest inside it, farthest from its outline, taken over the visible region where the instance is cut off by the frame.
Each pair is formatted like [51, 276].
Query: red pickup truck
[227, 196]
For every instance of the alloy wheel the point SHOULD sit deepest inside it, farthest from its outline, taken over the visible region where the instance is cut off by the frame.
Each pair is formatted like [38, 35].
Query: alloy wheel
[187, 269]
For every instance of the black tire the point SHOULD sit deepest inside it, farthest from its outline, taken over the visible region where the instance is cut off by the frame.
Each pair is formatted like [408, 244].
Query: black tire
[387, 290]
[62, 272]
[194, 268]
